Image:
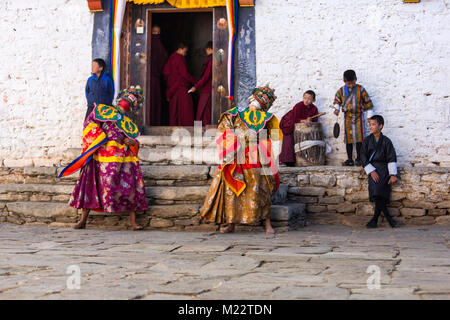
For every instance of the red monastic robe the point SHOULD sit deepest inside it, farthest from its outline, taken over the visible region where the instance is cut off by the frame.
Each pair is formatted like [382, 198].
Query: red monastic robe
[287, 126]
[179, 81]
[205, 86]
[158, 59]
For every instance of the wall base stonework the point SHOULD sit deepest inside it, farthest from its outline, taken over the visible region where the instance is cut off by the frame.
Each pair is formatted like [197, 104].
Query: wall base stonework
[328, 195]
[339, 195]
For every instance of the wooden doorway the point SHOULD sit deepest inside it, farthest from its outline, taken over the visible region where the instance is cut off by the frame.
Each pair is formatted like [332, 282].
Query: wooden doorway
[207, 23]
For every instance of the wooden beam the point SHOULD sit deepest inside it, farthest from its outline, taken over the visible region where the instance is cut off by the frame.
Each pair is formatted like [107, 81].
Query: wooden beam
[246, 3]
[95, 5]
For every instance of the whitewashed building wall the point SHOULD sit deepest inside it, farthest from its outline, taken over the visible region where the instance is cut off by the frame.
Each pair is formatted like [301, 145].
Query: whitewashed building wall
[45, 61]
[400, 52]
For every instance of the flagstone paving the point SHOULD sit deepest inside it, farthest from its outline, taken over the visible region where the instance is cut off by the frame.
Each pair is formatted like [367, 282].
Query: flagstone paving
[316, 262]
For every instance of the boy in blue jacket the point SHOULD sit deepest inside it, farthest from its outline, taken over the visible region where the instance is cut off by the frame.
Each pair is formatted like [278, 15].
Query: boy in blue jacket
[99, 86]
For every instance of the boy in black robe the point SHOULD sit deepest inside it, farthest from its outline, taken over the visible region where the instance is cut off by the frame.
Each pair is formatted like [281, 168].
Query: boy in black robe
[380, 163]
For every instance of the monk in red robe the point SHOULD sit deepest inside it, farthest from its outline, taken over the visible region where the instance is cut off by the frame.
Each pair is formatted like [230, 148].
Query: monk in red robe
[302, 112]
[158, 59]
[205, 86]
[179, 80]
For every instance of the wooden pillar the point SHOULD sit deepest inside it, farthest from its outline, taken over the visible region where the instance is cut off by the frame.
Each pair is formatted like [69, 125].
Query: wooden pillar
[138, 58]
[220, 92]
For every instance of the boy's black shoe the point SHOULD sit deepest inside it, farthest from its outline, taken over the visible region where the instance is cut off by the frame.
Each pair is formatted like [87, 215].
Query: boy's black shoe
[357, 162]
[392, 222]
[348, 163]
[372, 223]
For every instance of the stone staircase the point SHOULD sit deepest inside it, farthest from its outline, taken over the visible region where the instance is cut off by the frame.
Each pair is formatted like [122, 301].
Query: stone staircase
[175, 189]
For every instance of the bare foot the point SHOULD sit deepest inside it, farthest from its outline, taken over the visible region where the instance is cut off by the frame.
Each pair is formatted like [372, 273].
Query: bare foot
[228, 229]
[80, 225]
[269, 229]
[136, 227]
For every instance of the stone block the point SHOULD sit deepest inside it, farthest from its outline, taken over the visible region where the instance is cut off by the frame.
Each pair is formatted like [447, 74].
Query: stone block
[308, 200]
[187, 222]
[307, 191]
[410, 177]
[348, 182]
[395, 212]
[186, 172]
[37, 162]
[302, 180]
[412, 212]
[395, 204]
[435, 177]
[325, 218]
[177, 193]
[173, 211]
[61, 198]
[315, 208]
[415, 196]
[418, 204]
[421, 221]
[160, 223]
[323, 180]
[364, 209]
[40, 198]
[281, 195]
[36, 188]
[444, 204]
[437, 212]
[445, 220]
[336, 192]
[286, 212]
[40, 171]
[41, 209]
[18, 162]
[440, 187]
[343, 207]
[14, 197]
[357, 196]
[395, 196]
[331, 200]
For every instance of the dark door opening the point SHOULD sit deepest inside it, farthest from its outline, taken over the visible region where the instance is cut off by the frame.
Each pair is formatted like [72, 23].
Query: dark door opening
[193, 28]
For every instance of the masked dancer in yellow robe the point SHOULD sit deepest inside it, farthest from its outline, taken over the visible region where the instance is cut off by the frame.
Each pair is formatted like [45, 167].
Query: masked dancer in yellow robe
[248, 174]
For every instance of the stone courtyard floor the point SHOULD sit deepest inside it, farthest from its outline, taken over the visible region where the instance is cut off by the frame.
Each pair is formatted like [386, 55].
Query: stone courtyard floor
[315, 262]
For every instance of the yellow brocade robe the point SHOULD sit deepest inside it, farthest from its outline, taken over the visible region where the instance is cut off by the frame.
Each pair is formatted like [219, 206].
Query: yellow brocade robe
[240, 191]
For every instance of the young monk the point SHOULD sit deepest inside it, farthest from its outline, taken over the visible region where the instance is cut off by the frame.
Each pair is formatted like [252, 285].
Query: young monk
[205, 85]
[380, 163]
[302, 112]
[179, 81]
[111, 178]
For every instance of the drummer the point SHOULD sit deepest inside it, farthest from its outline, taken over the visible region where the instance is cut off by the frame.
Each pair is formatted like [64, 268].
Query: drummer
[300, 113]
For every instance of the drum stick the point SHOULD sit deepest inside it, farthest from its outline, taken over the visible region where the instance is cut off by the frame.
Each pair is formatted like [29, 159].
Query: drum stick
[318, 115]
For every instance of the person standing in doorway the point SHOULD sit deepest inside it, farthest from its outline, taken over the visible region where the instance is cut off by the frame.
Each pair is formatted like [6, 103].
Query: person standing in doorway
[205, 86]
[158, 59]
[179, 80]
[99, 87]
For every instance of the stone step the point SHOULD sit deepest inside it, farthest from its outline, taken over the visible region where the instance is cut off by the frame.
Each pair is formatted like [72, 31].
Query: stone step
[180, 139]
[176, 155]
[179, 155]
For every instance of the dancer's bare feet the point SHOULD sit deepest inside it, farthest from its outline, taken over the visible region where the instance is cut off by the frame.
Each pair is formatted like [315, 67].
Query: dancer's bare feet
[82, 223]
[269, 229]
[228, 229]
[134, 225]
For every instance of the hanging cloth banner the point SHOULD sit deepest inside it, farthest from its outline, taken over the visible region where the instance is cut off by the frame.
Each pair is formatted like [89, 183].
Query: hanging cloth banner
[186, 4]
[117, 11]
[232, 15]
